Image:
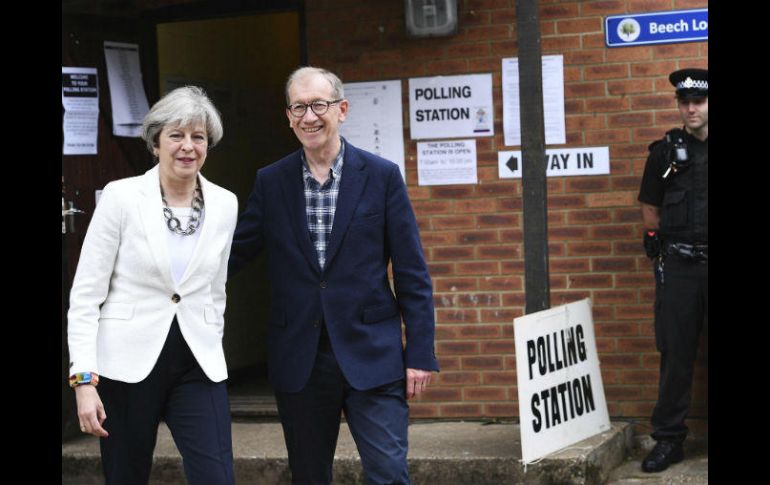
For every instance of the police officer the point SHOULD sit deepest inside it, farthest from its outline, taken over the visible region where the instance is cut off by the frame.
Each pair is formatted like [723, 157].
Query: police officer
[674, 203]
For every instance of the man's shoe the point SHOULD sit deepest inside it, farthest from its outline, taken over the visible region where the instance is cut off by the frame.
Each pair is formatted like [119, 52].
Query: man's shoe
[664, 454]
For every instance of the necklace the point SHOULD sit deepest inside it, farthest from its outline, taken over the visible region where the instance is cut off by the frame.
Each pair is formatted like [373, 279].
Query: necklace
[171, 220]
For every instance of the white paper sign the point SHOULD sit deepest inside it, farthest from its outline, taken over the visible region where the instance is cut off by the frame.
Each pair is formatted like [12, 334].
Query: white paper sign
[561, 395]
[553, 101]
[451, 106]
[124, 74]
[446, 162]
[560, 162]
[374, 121]
[80, 99]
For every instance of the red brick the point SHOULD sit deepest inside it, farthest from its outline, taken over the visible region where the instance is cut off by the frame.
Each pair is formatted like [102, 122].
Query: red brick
[579, 26]
[504, 378]
[485, 362]
[457, 348]
[432, 238]
[498, 347]
[568, 265]
[483, 394]
[452, 253]
[559, 43]
[606, 71]
[475, 205]
[602, 8]
[499, 252]
[451, 192]
[588, 249]
[460, 410]
[615, 296]
[584, 57]
[566, 201]
[568, 233]
[582, 217]
[619, 361]
[453, 222]
[563, 10]
[613, 264]
[586, 122]
[626, 329]
[457, 316]
[497, 220]
[433, 393]
[590, 281]
[478, 267]
[657, 68]
[449, 363]
[634, 312]
[420, 410]
[455, 284]
[636, 345]
[565, 297]
[480, 331]
[617, 393]
[607, 104]
[457, 378]
[639, 376]
[506, 283]
[486, 33]
[586, 89]
[475, 237]
[651, 102]
[606, 137]
[500, 316]
[438, 269]
[422, 207]
[501, 410]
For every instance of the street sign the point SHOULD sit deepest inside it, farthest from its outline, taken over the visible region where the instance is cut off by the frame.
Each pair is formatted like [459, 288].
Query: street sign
[657, 28]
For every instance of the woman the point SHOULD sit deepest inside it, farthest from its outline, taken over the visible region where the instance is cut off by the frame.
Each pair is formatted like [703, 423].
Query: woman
[147, 304]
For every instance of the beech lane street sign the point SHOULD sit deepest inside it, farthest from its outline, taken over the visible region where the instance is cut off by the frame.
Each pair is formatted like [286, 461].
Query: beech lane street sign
[657, 28]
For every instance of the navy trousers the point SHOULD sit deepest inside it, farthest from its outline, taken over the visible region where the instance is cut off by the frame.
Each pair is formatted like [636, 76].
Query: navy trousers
[195, 409]
[681, 308]
[378, 419]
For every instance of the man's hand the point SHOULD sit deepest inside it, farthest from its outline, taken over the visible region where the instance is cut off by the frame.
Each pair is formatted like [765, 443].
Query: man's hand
[416, 382]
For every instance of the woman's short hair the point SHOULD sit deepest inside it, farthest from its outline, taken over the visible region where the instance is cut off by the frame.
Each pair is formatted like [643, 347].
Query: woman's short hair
[338, 90]
[182, 107]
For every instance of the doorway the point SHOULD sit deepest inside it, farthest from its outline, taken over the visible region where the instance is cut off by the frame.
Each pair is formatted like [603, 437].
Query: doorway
[242, 62]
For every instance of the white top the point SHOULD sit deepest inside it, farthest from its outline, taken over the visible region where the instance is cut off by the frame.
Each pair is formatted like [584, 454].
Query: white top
[180, 248]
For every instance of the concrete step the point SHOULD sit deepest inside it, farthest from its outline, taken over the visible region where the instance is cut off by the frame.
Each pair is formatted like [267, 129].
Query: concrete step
[451, 453]
[439, 453]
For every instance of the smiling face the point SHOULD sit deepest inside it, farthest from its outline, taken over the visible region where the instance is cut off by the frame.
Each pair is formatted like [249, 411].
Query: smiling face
[181, 151]
[695, 113]
[318, 134]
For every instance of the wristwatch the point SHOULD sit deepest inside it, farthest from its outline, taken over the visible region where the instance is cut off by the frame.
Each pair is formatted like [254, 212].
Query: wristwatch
[81, 378]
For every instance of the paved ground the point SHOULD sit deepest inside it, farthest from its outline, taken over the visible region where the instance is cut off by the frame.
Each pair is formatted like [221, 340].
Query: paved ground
[693, 470]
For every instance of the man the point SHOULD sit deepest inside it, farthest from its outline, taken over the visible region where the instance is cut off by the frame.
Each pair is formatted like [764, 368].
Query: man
[674, 203]
[332, 218]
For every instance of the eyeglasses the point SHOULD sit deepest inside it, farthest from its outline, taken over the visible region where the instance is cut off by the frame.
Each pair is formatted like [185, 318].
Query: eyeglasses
[319, 107]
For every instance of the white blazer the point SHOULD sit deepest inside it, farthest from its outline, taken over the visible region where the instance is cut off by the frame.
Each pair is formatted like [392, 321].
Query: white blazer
[121, 305]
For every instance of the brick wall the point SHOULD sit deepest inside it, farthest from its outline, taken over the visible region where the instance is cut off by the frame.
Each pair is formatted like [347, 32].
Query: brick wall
[473, 234]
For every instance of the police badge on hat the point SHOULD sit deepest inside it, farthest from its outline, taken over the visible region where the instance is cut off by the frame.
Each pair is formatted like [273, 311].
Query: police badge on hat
[690, 83]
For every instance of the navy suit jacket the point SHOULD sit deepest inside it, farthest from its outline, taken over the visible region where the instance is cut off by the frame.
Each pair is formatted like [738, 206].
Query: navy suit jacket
[374, 224]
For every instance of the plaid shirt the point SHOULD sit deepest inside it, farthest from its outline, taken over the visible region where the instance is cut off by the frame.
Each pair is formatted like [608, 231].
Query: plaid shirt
[321, 203]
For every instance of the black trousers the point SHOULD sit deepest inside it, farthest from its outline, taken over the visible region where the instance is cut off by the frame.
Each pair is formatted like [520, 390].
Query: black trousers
[195, 409]
[681, 308]
[378, 420]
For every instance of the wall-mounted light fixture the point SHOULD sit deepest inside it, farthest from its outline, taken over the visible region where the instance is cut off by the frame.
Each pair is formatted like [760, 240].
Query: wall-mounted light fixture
[431, 18]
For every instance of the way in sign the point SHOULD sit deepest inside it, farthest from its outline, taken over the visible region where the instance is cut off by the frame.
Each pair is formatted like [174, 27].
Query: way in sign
[560, 161]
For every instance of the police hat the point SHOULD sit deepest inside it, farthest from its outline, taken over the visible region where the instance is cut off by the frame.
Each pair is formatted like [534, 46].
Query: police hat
[690, 83]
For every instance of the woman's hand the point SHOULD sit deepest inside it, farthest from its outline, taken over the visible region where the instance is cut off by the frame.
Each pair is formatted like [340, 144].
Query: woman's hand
[90, 410]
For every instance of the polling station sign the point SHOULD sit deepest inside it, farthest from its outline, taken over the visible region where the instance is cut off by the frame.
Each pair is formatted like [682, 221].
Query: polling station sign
[561, 396]
[451, 106]
[656, 28]
[559, 162]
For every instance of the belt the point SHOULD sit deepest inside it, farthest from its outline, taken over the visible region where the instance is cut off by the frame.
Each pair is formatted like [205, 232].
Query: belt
[692, 252]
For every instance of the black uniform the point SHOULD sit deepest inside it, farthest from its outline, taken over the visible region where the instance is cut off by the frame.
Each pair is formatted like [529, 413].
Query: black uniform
[681, 292]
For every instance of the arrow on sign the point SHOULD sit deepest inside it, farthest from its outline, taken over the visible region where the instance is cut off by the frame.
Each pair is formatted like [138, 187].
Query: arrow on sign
[512, 163]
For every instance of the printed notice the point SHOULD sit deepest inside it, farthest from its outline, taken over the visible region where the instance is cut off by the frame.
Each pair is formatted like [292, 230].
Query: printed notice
[80, 99]
[553, 101]
[124, 74]
[374, 121]
[446, 162]
[451, 106]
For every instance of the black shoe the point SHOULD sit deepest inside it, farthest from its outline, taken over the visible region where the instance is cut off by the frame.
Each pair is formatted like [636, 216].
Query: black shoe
[664, 454]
